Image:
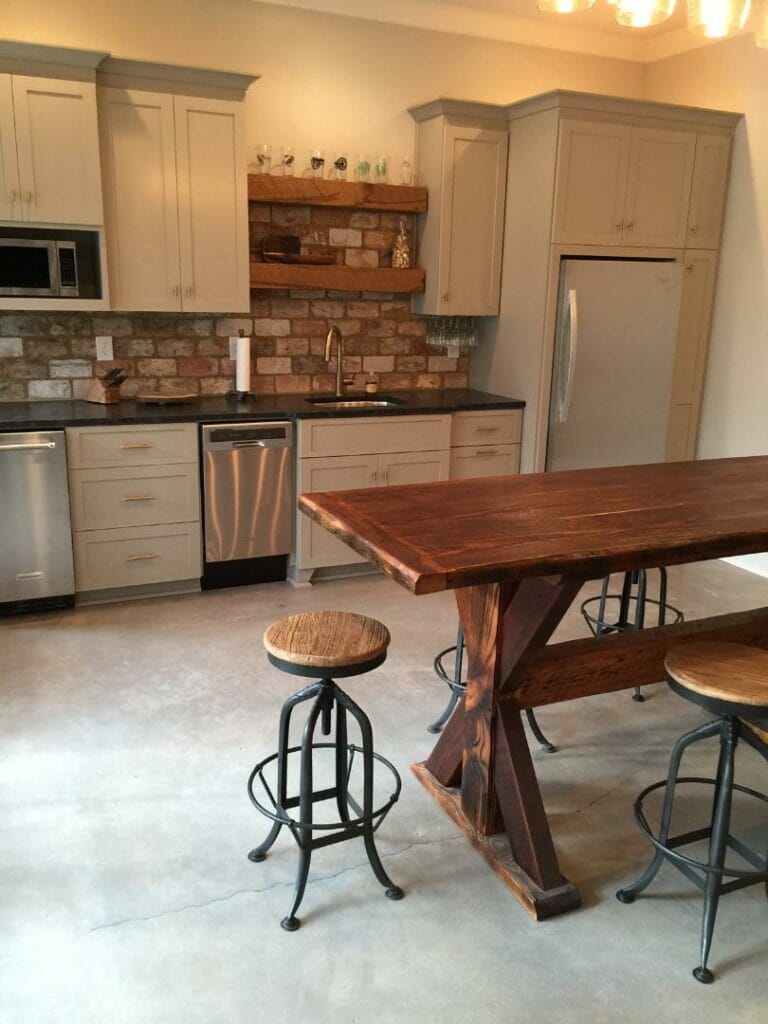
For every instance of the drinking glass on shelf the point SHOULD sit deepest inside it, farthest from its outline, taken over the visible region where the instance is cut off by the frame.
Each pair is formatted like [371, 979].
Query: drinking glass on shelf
[406, 172]
[363, 169]
[317, 163]
[381, 170]
[340, 167]
[289, 161]
[263, 159]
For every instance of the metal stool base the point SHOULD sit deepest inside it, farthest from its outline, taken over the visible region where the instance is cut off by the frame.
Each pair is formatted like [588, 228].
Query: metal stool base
[327, 700]
[707, 877]
[458, 688]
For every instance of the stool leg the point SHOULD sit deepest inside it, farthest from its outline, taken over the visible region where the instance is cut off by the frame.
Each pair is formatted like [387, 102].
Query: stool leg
[628, 893]
[259, 853]
[717, 845]
[394, 892]
[304, 835]
[541, 739]
[601, 606]
[626, 594]
[642, 586]
[457, 690]
[342, 762]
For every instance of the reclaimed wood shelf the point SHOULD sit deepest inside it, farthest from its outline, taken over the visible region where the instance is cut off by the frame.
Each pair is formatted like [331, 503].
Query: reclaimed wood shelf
[337, 278]
[357, 195]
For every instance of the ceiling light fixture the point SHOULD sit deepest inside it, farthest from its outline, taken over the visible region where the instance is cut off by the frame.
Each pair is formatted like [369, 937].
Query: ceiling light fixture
[712, 19]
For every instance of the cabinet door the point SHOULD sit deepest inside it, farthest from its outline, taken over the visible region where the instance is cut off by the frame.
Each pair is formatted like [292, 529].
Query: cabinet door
[593, 158]
[658, 187]
[472, 221]
[691, 353]
[710, 180]
[213, 205]
[10, 194]
[414, 467]
[57, 142]
[316, 547]
[142, 224]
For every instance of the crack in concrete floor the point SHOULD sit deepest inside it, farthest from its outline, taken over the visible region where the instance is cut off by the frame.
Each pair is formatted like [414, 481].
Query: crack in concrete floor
[267, 888]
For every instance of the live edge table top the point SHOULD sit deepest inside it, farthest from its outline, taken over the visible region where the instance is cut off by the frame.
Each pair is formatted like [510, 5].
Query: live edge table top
[584, 523]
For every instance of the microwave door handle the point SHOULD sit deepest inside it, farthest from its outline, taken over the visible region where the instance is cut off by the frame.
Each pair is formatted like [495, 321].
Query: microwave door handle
[573, 344]
[53, 267]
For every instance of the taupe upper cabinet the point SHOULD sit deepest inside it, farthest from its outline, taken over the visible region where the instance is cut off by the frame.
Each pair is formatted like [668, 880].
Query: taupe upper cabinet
[462, 160]
[50, 151]
[175, 193]
[708, 192]
[623, 185]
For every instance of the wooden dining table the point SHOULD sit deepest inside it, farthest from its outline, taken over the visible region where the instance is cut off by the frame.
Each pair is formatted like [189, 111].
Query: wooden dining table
[516, 550]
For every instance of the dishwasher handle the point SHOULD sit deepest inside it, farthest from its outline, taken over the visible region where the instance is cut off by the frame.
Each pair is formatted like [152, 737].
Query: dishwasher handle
[35, 446]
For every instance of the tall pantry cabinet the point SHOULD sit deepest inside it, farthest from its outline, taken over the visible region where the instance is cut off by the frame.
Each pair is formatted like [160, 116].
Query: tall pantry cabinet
[596, 176]
[175, 187]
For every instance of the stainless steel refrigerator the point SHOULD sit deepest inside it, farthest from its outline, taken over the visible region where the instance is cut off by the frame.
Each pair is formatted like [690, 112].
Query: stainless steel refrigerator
[614, 355]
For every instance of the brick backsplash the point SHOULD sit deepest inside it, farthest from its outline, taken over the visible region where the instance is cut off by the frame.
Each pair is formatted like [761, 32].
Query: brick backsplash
[53, 355]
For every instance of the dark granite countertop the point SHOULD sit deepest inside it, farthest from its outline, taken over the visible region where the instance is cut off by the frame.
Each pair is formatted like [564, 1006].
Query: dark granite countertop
[58, 414]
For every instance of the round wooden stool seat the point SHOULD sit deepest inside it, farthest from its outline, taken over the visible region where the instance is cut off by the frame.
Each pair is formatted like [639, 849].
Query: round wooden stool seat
[726, 678]
[339, 643]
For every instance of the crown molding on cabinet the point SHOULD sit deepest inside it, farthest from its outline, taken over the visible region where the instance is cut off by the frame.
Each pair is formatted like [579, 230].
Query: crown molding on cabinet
[564, 99]
[119, 72]
[49, 61]
[492, 115]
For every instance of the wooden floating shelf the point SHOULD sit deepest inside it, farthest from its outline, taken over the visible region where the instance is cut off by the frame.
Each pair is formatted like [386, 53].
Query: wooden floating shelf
[358, 195]
[336, 278]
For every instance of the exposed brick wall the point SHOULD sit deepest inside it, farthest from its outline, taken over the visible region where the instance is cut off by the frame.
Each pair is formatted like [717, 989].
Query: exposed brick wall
[53, 355]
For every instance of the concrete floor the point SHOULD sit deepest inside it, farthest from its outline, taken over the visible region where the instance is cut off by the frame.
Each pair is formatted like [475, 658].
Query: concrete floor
[126, 895]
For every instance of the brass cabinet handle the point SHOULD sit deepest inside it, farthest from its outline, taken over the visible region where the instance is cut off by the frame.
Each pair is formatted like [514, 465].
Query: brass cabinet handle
[620, 225]
[629, 225]
[693, 228]
[445, 297]
[176, 290]
[13, 196]
[486, 451]
[138, 497]
[140, 558]
[373, 478]
[189, 292]
[486, 430]
[130, 445]
[27, 197]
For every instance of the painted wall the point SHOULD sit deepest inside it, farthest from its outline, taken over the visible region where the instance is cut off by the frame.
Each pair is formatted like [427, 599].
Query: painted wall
[733, 75]
[327, 81]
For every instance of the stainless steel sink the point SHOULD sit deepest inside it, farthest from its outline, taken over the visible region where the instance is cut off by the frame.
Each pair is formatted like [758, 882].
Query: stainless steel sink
[332, 402]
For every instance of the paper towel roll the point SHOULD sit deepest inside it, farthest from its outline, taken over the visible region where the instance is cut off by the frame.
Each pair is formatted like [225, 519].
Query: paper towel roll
[242, 363]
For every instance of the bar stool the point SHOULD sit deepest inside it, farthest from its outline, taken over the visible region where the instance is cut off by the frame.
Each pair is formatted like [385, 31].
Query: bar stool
[322, 645]
[629, 596]
[731, 681]
[458, 688]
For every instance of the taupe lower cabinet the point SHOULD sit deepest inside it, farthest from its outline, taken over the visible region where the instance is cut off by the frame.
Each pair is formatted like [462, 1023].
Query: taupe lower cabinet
[175, 192]
[134, 495]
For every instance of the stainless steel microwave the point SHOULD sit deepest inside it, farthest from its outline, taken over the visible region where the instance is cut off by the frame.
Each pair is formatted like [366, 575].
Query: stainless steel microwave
[38, 266]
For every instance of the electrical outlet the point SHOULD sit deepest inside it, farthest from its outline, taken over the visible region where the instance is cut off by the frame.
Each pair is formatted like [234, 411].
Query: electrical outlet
[104, 350]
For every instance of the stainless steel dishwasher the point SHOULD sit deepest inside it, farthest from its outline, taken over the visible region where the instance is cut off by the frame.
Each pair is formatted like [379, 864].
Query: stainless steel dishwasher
[248, 502]
[35, 537]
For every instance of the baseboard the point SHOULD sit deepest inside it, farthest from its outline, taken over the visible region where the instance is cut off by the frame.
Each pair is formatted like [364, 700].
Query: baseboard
[107, 596]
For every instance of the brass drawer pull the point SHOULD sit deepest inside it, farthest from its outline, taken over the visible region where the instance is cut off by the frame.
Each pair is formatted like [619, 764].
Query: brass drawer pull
[486, 451]
[138, 497]
[140, 558]
[486, 430]
[136, 444]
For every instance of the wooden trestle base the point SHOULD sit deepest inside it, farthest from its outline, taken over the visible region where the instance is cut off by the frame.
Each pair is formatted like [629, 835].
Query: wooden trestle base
[540, 903]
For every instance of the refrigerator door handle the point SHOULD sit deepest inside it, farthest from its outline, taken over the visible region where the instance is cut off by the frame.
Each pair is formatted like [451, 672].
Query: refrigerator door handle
[566, 394]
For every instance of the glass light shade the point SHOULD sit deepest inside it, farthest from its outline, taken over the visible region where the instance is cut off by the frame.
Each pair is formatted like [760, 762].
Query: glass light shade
[564, 6]
[761, 27]
[715, 19]
[642, 13]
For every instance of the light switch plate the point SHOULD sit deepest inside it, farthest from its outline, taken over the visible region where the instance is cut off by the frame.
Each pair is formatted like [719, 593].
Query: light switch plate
[104, 349]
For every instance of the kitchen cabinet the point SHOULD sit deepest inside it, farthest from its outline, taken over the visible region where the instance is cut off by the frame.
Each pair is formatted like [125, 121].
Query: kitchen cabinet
[699, 277]
[175, 201]
[50, 151]
[708, 191]
[623, 185]
[345, 453]
[463, 163]
[135, 506]
[485, 443]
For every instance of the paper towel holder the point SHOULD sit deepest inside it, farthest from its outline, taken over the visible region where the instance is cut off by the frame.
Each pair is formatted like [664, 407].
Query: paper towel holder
[236, 393]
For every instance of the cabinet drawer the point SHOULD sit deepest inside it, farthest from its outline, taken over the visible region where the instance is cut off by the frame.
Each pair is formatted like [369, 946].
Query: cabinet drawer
[141, 554]
[485, 460]
[373, 436]
[134, 496]
[151, 445]
[493, 426]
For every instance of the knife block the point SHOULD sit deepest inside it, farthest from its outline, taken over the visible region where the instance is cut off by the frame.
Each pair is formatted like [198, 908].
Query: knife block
[102, 394]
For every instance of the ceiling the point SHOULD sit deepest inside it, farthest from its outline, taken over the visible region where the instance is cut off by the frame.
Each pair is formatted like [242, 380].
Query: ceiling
[594, 31]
